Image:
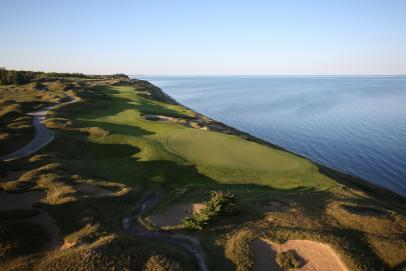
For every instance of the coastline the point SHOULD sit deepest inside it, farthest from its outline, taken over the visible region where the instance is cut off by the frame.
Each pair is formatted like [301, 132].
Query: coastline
[377, 192]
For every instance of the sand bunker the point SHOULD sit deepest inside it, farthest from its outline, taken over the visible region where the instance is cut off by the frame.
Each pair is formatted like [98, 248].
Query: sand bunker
[173, 215]
[157, 118]
[92, 190]
[9, 201]
[316, 256]
[275, 206]
[364, 210]
[184, 122]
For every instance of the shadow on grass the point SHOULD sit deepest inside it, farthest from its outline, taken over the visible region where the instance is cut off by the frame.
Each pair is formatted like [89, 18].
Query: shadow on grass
[116, 162]
[122, 129]
[144, 105]
[147, 107]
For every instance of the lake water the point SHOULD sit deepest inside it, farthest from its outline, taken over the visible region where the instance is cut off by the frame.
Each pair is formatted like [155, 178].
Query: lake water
[354, 124]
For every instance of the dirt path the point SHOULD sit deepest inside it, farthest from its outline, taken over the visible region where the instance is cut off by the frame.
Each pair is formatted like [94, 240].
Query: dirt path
[43, 136]
[10, 201]
[317, 256]
[131, 224]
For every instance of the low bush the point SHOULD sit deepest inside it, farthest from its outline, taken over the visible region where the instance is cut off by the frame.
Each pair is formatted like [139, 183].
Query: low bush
[288, 260]
[220, 204]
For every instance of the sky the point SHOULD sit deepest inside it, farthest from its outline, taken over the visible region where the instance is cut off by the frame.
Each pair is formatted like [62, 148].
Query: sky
[171, 37]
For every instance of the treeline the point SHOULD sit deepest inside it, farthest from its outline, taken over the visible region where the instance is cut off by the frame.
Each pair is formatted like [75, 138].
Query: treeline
[8, 77]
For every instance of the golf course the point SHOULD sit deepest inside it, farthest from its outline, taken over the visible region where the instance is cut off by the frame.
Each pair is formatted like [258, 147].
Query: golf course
[132, 180]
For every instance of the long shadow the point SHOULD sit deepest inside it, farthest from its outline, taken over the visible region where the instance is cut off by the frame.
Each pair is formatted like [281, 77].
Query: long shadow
[131, 130]
[116, 162]
[142, 104]
[110, 107]
[381, 195]
[147, 107]
[400, 267]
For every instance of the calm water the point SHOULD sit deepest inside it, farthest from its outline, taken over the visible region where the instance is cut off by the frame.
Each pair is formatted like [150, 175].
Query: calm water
[354, 124]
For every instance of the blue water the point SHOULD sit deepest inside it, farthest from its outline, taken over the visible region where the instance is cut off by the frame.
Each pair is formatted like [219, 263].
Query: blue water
[354, 124]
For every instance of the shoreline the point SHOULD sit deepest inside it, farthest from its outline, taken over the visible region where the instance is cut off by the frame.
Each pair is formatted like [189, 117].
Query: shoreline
[340, 177]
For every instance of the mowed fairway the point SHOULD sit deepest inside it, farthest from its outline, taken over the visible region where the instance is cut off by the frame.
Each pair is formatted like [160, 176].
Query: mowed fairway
[220, 150]
[142, 151]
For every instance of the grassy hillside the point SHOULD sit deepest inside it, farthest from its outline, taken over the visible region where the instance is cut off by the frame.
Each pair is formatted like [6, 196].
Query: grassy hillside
[125, 138]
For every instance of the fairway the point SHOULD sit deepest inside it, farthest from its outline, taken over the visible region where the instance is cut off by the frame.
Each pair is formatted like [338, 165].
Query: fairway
[211, 148]
[156, 150]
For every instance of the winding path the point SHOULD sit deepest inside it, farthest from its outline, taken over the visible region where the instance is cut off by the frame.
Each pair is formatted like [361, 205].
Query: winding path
[43, 136]
[132, 226]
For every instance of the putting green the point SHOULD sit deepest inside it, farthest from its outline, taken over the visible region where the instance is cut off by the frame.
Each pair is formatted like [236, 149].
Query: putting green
[210, 148]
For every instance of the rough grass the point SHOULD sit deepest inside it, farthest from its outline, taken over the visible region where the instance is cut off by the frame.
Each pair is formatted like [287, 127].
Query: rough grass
[237, 249]
[16, 128]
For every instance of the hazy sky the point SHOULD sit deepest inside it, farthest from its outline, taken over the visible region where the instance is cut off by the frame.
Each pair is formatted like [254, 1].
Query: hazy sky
[205, 37]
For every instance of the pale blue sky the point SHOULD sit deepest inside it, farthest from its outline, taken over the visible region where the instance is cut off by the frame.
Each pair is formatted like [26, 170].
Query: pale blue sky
[205, 37]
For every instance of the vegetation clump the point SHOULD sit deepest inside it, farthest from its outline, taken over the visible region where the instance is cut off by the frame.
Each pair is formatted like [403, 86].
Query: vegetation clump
[160, 263]
[220, 204]
[237, 249]
[8, 77]
[288, 260]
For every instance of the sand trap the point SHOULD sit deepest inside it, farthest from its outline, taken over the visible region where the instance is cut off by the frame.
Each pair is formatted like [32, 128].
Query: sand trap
[364, 210]
[92, 190]
[317, 256]
[157, 118]
[25, 201]
[275, 206]
[173, 215]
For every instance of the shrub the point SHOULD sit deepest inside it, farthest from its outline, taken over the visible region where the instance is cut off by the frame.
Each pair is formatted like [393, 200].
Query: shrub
[220, 204]
[288, 260]
[160, 263]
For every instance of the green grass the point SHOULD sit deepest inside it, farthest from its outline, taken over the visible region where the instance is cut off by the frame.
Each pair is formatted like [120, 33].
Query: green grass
[135, 146]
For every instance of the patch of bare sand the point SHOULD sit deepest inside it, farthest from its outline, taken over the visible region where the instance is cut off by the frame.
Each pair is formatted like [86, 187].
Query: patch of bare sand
[276, 206]
[92, 190]
[317, 256]
[158, 118]
[25, 201]
[172, 216]
[364, 210]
